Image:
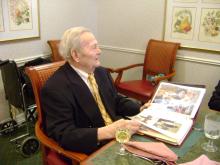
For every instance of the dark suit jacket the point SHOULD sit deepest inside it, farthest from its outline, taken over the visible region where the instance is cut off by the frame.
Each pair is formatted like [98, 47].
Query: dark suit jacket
[71, 113]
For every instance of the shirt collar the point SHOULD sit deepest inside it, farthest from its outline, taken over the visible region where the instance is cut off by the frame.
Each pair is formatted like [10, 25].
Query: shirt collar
[81, 73]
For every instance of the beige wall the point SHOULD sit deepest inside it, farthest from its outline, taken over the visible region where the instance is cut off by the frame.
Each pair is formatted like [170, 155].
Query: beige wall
[129, 23]
[123, 28]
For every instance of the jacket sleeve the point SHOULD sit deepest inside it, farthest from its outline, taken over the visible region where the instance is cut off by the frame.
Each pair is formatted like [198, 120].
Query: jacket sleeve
[124, 105]
[60, 124]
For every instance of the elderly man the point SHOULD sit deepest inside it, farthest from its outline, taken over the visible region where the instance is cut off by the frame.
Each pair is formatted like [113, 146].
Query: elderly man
[82, 107]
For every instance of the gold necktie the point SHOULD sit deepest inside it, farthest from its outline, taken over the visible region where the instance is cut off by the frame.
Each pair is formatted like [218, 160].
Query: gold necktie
[93, 84]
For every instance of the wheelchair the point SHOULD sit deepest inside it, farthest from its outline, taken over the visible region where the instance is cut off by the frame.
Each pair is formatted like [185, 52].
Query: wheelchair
[19, 95]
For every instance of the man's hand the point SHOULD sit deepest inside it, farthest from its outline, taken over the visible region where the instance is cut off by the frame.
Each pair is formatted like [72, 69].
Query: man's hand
[146, 105]
[108, 132]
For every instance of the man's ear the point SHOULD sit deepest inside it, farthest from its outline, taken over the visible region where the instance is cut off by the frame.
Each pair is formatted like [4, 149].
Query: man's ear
[75, 55]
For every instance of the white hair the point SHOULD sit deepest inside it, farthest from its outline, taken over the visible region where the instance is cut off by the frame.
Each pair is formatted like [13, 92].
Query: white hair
[71, 41]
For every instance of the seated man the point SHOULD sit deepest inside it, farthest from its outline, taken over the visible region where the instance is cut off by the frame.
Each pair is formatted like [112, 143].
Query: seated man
[81, 105]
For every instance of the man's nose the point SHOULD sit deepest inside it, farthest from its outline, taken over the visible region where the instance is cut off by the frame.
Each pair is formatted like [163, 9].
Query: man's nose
[99, 51]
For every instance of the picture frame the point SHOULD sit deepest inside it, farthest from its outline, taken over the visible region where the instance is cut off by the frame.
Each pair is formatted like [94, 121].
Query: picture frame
[1, 19]
[19, 19]
[193, 23]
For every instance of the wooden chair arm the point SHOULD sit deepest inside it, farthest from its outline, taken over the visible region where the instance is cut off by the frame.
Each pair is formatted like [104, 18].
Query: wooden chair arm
[120, 71]
[111, 70]
[166, 77]
[50, 143]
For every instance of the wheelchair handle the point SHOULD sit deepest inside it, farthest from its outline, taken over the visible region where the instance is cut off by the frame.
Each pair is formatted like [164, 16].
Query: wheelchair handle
[3, 62]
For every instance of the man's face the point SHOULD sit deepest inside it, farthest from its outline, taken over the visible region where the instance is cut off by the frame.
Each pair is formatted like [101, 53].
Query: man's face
[89, 53]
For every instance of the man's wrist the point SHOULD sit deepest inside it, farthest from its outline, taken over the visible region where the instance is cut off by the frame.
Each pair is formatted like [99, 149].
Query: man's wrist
[105, 133]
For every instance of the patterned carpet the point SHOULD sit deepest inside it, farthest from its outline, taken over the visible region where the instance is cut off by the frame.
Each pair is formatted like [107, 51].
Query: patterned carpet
[10, 156]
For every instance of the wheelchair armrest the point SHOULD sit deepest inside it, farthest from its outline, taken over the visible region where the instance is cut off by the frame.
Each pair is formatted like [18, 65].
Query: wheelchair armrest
[3, 62]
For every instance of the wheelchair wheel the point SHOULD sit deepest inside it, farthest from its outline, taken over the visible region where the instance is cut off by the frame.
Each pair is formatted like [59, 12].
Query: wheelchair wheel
[29, 146]
[8, 127]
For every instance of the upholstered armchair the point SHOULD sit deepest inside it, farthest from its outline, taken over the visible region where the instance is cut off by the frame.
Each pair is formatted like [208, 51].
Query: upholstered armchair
[158, 65]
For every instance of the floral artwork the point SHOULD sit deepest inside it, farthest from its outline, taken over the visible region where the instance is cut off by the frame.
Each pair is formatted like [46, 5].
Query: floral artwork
[183, 23]
[1, 18]
[210, 25]
[20, 14]
[19, 19]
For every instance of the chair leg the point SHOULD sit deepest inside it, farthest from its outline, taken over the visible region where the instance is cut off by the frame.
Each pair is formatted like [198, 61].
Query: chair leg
[74, 162]
[44, 155]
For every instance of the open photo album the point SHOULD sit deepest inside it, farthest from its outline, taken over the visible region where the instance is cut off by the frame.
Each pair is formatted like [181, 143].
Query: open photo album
[172, 112]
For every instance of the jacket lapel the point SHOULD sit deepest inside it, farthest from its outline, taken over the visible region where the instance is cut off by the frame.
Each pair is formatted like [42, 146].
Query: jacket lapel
[84, 96]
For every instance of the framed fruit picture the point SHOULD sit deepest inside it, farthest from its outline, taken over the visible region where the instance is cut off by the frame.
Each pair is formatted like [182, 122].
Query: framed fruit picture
[193, 23]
